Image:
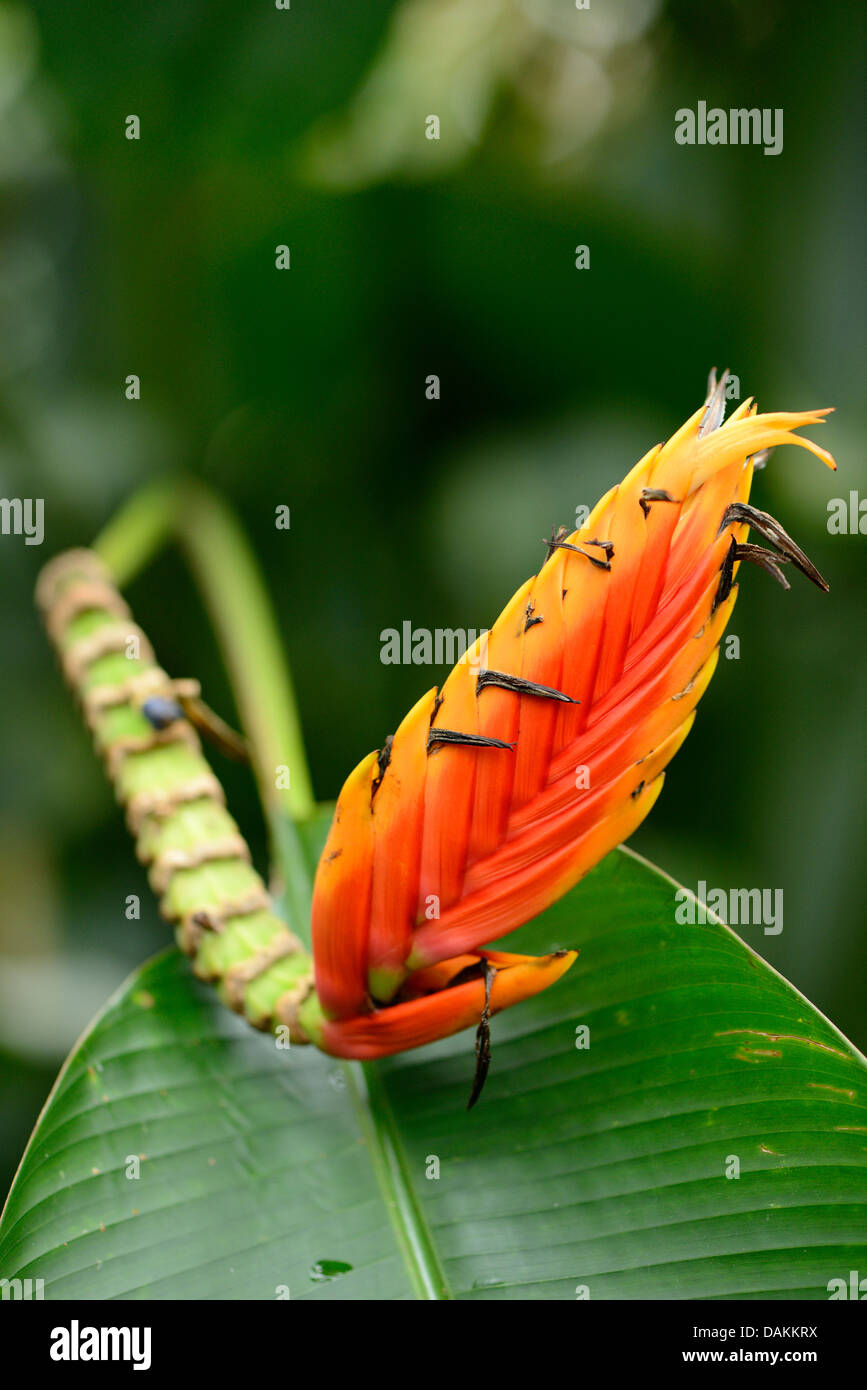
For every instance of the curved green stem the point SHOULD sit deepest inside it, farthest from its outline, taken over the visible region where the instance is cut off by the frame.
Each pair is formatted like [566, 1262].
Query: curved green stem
[231, 584]
[139, 530]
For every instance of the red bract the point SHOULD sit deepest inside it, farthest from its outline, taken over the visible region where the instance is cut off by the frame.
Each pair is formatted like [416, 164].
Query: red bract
[543, 751]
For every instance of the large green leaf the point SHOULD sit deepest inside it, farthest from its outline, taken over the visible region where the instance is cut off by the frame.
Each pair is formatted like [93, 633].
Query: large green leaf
[602, 1168]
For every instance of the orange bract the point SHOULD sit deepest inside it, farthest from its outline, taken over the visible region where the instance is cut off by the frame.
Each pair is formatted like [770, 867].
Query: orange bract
[577, 698]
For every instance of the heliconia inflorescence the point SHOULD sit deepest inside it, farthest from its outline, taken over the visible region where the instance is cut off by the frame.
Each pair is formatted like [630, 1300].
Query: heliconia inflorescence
[544, 749]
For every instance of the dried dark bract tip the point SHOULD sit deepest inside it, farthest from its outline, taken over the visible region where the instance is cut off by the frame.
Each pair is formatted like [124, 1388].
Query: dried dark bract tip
[530, 620]
[726, 577]
[558, 534]
[594, 559]
[483, 1040]
[767, 560]
[715, 405]
[654, 494]
[519, 686]
[383, 758]
[557, 541]
[436, 736]
[607, 546]
[637, 793]
[741, 512]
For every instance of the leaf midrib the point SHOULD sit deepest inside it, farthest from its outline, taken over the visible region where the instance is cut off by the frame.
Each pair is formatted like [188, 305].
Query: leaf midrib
[385, 1147]
[388, 1158]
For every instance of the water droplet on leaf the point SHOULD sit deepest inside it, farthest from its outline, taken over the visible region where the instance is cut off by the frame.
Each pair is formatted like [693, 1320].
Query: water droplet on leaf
[323, 1270]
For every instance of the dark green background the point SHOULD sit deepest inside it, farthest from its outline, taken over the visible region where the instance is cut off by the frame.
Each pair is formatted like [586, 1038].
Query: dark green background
[306, 388]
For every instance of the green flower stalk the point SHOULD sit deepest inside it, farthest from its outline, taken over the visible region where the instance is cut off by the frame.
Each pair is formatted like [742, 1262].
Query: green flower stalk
[198, 861]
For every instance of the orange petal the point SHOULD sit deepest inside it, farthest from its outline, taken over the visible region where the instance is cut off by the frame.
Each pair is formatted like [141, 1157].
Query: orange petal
[341, 898]
[485, 837]
[397, 827]
[403, 1026]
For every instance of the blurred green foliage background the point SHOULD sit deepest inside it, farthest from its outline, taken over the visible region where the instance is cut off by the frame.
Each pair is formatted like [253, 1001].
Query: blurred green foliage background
[306, 388]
